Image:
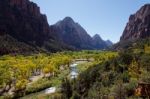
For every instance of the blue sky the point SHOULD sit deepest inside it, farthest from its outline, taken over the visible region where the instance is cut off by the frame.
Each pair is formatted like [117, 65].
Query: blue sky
[104, 17]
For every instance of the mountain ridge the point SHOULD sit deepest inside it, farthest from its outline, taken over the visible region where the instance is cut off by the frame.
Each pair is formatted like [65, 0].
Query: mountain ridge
[72, 33]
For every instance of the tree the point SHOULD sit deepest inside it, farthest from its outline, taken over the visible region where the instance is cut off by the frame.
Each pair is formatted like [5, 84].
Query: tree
[49, 69]
[5, 76]
[134, 69]
[126, 58]
[120, 91]
[66, 88]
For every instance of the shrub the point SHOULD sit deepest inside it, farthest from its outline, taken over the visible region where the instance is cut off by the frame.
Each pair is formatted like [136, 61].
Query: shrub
[38, 86]
[130, 87]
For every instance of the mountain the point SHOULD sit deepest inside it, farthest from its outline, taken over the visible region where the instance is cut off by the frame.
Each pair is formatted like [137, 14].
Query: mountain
[99, 43]
[139, 25]
[74, 35]
[21, 20]
[23, 28]
[109, 43]
[136, 30]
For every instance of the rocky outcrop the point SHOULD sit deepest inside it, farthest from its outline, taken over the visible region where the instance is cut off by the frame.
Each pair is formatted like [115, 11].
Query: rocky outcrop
[138, 25]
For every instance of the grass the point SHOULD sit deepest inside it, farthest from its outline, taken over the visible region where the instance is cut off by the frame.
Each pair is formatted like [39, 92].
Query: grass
[84, 66]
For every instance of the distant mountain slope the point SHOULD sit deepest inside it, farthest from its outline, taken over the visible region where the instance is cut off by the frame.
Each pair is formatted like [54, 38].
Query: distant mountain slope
[138, 25]
[73, 34]
[109, 43]
[99, 43]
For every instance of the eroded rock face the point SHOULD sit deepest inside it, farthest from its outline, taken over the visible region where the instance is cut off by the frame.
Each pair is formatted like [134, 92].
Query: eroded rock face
[22, 20]
[138, 25]
[26, 6]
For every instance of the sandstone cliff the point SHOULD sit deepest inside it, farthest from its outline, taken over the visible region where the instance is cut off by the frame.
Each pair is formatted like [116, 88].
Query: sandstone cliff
[138, 25]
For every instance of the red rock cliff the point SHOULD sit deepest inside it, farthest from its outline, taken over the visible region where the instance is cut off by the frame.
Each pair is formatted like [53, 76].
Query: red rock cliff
[138, 25]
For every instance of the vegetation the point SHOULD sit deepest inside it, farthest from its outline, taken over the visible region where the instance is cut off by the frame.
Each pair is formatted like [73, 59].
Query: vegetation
[106, 74]
[116, 77]
[18, 71]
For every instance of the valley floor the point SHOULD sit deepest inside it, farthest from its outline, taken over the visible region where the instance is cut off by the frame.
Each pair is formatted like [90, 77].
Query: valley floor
[76, 75]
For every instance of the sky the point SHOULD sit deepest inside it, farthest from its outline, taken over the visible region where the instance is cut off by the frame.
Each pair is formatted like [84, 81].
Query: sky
[107, 18]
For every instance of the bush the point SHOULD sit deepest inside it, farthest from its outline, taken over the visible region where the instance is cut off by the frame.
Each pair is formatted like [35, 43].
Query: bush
[145, 77]
[125, 77]
[130, 88]
[75, 96]
[6, 96]
[38, 86]
[66, 88]
[120, 91]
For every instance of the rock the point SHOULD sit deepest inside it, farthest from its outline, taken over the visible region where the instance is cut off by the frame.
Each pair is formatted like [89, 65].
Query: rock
[138, 25]
[22, 20]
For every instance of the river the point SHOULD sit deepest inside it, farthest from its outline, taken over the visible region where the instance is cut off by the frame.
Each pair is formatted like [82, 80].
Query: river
[73, 74]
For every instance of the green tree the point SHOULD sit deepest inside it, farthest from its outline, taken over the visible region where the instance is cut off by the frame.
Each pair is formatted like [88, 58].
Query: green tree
[66, 88]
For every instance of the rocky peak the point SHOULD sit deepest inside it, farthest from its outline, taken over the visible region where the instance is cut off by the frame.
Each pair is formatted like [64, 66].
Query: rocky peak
[66, 22]
[98, 42]
[68, 19]
[143, 12]
[109, 43]
[138, 25]
[97, 37]
[73, 34]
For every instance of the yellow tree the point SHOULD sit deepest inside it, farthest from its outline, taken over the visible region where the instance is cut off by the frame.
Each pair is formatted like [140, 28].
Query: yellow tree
[49, 69]
[134, 69]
